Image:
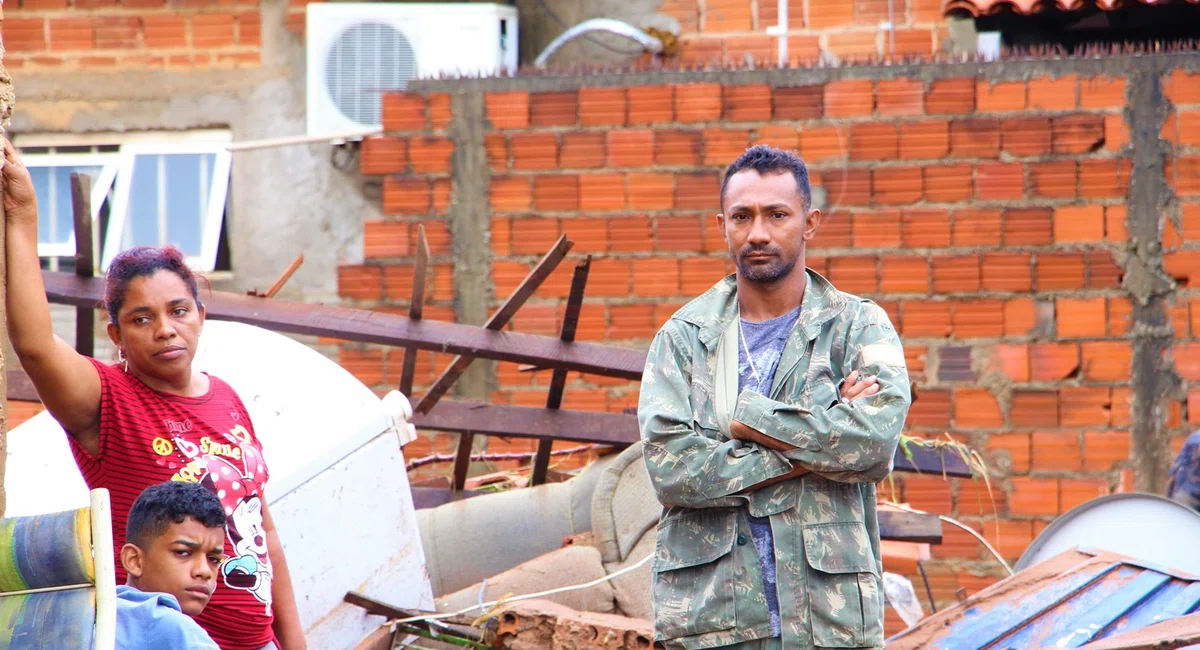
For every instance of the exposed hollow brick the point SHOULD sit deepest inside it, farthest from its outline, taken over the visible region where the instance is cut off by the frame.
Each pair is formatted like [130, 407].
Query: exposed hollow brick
[603, 106]
[746, 103]
[1033, 408]
[925, 140]
[1055, 179]
[876, 229]
[925, 228]
[700, 102]
[1001, 97]
[895, 97]
[585, 150]
[554, 109]
[849, 98]
[948, 183]
[1004, 271]
[1028, 227]
[1079, 133]
[779, 136]
[820, 143]
[977, 227]
[975, 138]
[1060, 271]
[1080, 317]
[896, 185]
[1103, 178]
[1054, 361]
[978, 319]
[651, 104]
[799, 102]
[1054, 94]
[999, 181]
[1026, 135]
[723, 146]
[976, 408]
[507, 110]
[874, 141]
[950, 97]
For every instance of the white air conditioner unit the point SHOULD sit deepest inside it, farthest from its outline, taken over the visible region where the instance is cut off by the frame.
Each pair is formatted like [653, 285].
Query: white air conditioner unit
[359, 50]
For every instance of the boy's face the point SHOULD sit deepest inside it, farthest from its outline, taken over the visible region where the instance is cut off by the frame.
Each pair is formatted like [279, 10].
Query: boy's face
[183, 562]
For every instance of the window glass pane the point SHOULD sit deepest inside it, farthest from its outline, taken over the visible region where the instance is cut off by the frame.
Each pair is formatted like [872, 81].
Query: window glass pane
[168, 200]
[141, 224]
[189, 180]
[53, 188]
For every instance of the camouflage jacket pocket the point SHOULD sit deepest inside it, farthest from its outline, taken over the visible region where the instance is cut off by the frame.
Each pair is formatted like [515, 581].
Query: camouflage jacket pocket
[693, 586]
[844, 596]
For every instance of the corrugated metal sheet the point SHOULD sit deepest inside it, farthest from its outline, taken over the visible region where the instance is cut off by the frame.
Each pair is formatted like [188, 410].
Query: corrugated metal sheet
[1069, 601]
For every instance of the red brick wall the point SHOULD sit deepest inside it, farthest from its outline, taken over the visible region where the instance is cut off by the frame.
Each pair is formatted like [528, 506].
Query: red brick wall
[729, 30]
[49, 35]
[987, 219]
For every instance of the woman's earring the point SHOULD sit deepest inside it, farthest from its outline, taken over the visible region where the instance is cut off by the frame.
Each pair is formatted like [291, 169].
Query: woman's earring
[122, 359]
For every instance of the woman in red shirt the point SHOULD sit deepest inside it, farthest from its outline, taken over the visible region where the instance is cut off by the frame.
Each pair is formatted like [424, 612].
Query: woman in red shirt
[150, 417]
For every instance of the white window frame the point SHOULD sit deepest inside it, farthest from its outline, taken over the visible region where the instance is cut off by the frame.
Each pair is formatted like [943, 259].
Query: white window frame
[117, 174]
[107, 162]
[211, 220]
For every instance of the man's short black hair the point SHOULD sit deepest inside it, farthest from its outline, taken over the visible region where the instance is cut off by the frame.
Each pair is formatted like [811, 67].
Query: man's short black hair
[766, 160]
[172, 502]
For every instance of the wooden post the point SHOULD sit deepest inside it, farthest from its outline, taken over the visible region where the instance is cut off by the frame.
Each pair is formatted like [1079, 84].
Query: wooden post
[6, 104]
[558, 381]
[85, 265]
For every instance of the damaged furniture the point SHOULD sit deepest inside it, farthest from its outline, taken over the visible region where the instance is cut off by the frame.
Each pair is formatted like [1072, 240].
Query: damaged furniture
[58, 579]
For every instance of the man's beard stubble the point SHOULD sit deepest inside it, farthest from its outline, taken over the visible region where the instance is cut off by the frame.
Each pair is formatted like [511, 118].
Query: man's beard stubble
[777, 269]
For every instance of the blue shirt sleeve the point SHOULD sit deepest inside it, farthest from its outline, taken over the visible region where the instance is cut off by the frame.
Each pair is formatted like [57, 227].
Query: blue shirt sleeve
[149, 625]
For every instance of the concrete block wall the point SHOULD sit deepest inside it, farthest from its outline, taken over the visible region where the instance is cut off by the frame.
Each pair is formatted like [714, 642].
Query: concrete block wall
[1029, 226]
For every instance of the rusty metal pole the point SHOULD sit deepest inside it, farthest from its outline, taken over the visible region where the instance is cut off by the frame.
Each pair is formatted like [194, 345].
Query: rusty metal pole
[6, 104]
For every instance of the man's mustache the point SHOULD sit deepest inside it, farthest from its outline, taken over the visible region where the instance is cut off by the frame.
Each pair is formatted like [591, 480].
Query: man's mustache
[750, 249]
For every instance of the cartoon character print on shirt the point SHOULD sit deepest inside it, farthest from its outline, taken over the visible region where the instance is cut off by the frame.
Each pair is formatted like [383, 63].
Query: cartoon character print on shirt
[250, 567]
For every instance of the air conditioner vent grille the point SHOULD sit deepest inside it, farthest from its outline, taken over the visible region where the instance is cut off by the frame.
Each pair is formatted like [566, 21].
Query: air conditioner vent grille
[366, 60]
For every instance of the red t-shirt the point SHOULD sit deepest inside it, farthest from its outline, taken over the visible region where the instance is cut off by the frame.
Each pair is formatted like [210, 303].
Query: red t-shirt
[147, 437]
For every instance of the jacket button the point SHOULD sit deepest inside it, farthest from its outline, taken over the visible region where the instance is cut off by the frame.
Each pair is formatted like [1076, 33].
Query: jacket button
[741, 540]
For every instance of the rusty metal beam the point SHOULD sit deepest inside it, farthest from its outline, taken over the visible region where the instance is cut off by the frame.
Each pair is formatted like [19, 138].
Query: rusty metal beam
[558, 381]
[498, 320]
[416, 309]
[85, 262]
[529, 422]
[366, 326]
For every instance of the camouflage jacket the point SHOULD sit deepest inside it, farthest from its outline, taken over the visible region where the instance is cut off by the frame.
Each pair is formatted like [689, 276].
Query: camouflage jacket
[707, 584]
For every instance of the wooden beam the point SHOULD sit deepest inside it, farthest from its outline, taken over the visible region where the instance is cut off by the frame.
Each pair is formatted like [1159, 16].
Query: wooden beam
[616, 429]
[530, 422]
[85, 261]
[498, 320]
[365, 326]
[558, 381]
[900, 526]
[416, 309]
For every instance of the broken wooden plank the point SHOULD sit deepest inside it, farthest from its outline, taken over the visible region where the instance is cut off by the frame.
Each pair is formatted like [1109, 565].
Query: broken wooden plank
[365, 326]
[930, 460]
[416, 309]
[85, 262]
[498, 320]
[900, 526]
[458, 626]
[558, 381]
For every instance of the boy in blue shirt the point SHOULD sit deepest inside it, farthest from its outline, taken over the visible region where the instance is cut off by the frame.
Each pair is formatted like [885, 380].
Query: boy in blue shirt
[175, 542]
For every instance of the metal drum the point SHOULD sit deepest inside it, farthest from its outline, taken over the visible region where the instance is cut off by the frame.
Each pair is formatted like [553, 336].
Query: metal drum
[1146, 527]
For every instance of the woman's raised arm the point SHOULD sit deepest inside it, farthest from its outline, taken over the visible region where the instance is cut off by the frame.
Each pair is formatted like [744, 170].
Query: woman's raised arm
[68, 384]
